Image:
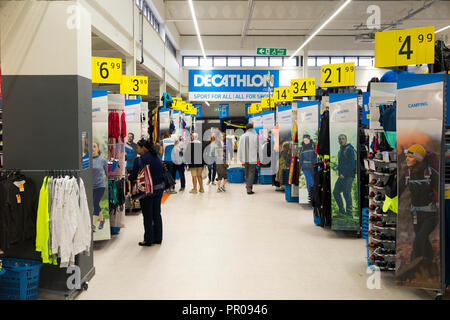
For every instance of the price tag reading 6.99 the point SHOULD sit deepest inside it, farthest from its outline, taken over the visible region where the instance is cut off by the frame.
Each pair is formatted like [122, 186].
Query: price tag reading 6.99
[337, 75]
[106, 70]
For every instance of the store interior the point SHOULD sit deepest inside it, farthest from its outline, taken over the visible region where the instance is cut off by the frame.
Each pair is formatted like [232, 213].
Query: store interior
[347, 101]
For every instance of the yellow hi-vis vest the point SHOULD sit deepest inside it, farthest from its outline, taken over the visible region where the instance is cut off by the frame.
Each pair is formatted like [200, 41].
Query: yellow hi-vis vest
[390, 203]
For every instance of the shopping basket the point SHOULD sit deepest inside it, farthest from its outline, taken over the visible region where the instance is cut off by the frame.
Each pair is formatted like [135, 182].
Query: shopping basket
[20, 280]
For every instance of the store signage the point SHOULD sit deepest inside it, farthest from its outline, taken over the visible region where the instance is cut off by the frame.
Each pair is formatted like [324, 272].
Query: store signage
[224, 111]
[255, 108]
[337, 75]
[177, 103]
[271, 51]
[106, 70]
[229, 85]
[134, 85]
[404, 47]
[303, 87]
[267, 103]
[283, 94]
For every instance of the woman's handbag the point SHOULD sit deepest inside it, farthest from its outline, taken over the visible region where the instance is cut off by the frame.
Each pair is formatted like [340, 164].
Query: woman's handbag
[143, 186]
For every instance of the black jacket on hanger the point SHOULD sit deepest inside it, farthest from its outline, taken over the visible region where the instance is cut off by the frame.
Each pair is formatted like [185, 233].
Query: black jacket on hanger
[323, 143]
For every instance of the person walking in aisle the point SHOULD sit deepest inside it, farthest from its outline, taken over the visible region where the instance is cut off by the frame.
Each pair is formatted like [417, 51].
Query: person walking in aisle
[178, 161]
[222, 164]
[168, 144]
[212, 166]
[151, 205]
[193, 157]
[130, 152]
[99, 167]
[248, 153]
[346, 168]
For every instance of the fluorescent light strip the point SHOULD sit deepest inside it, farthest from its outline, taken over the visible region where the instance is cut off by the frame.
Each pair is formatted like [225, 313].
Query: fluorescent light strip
[444, 28]
[194, 18]
[321, 27]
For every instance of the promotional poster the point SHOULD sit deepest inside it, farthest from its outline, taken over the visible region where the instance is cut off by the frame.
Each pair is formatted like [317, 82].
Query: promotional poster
[308, 131]
[164, 120]
[101, 220]
[116, 146]
[343, 158]
[419, 135]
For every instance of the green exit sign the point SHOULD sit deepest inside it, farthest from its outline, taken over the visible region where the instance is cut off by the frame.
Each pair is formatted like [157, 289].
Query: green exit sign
[271, 52]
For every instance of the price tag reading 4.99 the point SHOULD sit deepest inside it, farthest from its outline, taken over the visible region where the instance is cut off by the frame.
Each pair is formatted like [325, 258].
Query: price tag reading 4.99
[404, 47]
[303, 87]
[337, 75]
[135, 85]
[283, 94]
[106, 70]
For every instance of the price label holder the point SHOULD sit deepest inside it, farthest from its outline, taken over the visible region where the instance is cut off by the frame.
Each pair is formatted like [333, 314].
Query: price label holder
[106, 70]
[135, 85]
[337, 75]
[283, 94]
[177, 104]
[404, 47]
[303, 87]
[266, 103]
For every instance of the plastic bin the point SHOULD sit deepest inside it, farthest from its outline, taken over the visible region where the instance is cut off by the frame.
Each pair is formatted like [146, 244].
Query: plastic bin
[265, 176]
[115, 230]
[235, 175]
[21, 279]
[285, 177]
[287, 193]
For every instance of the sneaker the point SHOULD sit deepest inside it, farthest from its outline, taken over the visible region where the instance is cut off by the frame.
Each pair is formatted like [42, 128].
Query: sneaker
[101, 225]
[172, 192]
[371, 195]
[181, 190]
[219, 190]
[213, 183]
[373, 181]
[209, 182]
[193, 191]
[223, 189]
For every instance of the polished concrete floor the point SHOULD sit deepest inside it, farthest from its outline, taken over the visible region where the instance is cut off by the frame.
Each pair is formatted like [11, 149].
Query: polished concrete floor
[235, 246]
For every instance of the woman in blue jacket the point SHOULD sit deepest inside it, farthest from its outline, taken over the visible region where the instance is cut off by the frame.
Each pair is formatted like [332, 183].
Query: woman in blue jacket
[151, 205]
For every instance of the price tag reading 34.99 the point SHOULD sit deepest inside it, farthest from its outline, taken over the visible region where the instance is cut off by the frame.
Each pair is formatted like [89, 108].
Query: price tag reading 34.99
[337, 75]
[106, 70]
[303, 87]
[404, 47]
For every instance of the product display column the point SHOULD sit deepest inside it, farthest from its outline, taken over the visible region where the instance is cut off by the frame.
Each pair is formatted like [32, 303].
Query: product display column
[47, 107]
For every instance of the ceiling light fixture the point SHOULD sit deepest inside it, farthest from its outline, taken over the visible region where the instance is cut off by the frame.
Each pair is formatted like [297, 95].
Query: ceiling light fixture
[194, 18]
[321, 27]
[444, 28]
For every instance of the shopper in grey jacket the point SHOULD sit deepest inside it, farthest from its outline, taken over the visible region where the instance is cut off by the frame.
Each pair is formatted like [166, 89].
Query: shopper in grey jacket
[248, 153]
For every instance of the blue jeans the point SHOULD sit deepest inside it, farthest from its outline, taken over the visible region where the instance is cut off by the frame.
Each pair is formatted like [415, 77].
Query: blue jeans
[309, 176]
[212, 172]
[344, 186]
[151, 212]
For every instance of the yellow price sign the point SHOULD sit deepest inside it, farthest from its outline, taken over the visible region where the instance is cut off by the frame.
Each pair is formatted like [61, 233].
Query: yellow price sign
[136, 85]
[255, 108]
[337, 75]
[266, 103]
[404, 47]
[177, 103]
[106, 70]
[283, 94]
[183, 106]
[303, 87]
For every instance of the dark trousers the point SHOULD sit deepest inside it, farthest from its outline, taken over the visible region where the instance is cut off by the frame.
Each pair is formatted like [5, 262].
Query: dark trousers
[344, 186]
[212, 169]
[426, 222]
[309, 176]
[180, 169]
[151, 212]
[171, 168]
[250, 170]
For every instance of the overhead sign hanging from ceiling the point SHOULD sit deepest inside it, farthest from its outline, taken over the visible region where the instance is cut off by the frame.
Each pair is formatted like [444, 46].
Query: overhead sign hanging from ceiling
[230, 85]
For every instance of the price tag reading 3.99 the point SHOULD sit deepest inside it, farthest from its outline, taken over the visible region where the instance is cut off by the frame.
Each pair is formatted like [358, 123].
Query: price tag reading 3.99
[134, 85]
[337, 75]
[106, 70]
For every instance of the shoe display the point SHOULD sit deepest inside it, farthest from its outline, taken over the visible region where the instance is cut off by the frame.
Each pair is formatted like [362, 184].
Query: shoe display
[372, 207]
[101, 225]
[371, 194]
[378, 210]
[380, 197]
[373, 181]
[380, 183]
[374, 219]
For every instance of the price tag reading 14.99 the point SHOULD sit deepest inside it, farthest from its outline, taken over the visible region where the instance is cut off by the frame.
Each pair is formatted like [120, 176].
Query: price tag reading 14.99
[106, 70]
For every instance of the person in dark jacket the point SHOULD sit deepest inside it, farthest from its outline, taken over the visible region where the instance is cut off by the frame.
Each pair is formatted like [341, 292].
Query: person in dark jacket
[151, 205]
[193, 157]
[346, 171]
[323, 142]
[307, 160]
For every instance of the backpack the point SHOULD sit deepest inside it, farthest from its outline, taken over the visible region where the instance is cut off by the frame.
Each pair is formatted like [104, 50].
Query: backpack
[432, 165]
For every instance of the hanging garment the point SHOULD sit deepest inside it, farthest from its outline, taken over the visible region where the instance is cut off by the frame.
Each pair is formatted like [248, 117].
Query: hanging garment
[323, 143]
[113, 125]
[123, 127]
[42, 224]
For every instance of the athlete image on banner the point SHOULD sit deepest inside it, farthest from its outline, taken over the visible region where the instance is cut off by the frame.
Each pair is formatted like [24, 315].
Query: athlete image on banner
[308, 131]
[419, 132]
[343, 158]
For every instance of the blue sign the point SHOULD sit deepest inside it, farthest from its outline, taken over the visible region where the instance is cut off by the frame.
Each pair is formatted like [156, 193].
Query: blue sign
[230, 85]
[224, 111]
[246, 109]
[365, 117]
[199, 110]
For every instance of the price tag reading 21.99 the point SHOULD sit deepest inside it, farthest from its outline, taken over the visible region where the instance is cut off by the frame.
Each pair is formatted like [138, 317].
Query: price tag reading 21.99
[337, 75]
[106, 70]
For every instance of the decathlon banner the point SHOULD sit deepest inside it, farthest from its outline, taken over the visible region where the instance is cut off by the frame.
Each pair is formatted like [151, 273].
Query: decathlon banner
[308, 132]
[343, 158]
[230, 85]
[419, 143]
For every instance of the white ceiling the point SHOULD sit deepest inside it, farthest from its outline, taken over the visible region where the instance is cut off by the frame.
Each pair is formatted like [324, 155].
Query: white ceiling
[284, 18]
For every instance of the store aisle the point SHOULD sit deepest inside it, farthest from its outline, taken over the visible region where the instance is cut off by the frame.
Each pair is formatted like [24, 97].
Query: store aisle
[235, 246]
